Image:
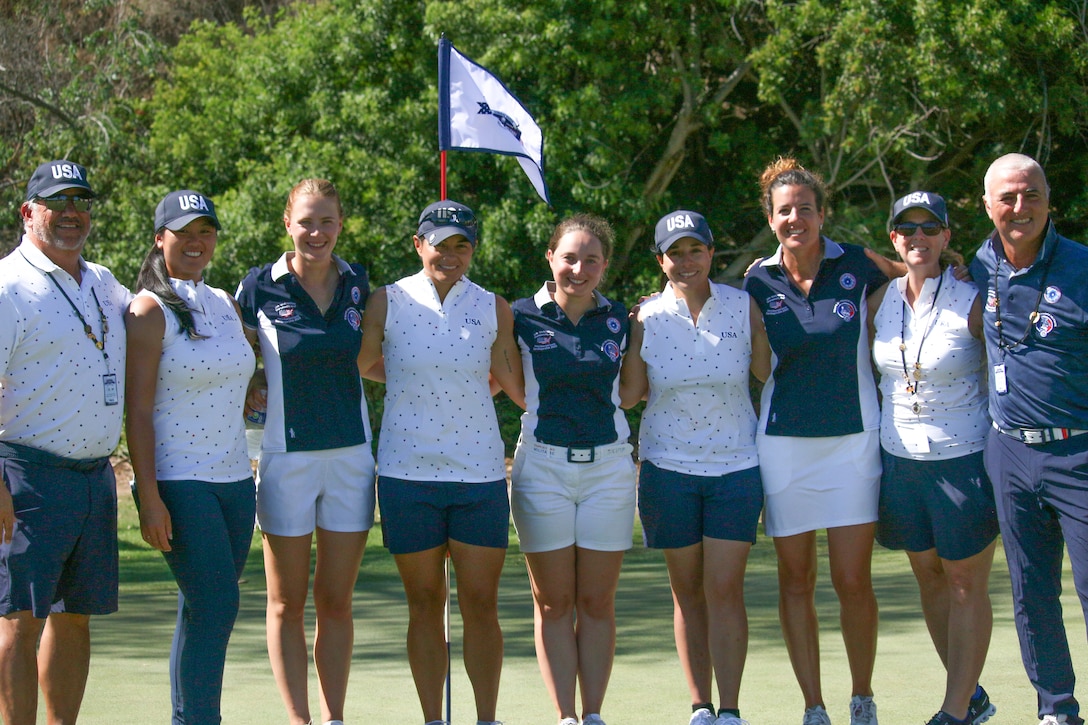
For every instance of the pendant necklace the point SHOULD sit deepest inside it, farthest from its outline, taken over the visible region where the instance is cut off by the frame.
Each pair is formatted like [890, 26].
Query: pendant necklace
[913, 375]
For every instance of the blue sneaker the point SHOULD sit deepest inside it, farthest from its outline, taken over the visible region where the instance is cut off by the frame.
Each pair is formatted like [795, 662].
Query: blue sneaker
[862, 710]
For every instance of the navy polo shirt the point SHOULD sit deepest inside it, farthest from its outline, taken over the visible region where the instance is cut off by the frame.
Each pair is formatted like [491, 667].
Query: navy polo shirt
[315, 396]
[1047, 373]
[572, 371]
[822, 381]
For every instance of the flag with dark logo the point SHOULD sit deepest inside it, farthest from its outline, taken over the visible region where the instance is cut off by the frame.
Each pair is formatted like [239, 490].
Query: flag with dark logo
[476, 112]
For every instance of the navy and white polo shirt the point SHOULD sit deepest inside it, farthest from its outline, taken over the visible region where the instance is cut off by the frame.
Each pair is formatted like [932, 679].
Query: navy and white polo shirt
[315, 396]
[821, 380]
[571, 371]
[1046, 366]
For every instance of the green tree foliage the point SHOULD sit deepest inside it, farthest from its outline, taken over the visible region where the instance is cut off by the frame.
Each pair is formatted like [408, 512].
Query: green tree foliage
[892, 96]
[647, 105]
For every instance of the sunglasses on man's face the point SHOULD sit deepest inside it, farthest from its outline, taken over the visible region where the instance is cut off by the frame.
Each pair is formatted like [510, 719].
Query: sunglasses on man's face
[930, 229]
[60, 202]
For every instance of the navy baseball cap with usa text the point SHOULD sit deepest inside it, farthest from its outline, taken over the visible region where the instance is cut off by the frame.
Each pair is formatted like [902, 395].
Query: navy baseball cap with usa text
[178, 208]
[679, 224]
[927, 200]
[56, 176]
[444, 219]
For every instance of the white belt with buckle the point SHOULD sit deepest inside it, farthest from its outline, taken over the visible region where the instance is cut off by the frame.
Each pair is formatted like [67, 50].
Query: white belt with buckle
[580, 454]
[1036, 436]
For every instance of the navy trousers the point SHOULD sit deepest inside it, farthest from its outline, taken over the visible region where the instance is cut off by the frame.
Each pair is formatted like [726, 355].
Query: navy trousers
[1041, 495]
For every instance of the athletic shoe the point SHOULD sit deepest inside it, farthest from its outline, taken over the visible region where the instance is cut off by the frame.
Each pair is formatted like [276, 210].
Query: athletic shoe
[980, 709]
[816, 715]
[1058, 719]
[862, 710]
[593, 719]
[943, 718]
[569, 721]
[702, 716]
[729, 720]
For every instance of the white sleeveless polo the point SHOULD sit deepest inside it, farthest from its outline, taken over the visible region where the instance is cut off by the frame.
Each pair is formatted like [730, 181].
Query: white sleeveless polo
[201, 391]
[439, 422]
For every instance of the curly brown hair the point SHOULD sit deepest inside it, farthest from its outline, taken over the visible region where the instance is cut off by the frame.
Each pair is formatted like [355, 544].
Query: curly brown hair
[787, 171]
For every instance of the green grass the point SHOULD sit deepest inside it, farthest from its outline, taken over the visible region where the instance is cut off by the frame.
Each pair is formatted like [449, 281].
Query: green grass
[128, 680]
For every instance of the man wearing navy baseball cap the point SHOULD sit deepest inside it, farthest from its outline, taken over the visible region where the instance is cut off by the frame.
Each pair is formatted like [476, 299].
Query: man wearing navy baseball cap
[62, 359]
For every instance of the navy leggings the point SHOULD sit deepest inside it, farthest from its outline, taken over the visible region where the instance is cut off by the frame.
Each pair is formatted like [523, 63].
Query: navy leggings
[213, 528]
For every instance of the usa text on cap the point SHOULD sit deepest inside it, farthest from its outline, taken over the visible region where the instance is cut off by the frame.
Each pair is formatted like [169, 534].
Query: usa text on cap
[178, 208]
[927, 200]
[56, 176]
[679, 224]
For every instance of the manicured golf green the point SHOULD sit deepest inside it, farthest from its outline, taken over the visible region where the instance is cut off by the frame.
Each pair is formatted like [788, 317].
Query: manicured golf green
[129, 683]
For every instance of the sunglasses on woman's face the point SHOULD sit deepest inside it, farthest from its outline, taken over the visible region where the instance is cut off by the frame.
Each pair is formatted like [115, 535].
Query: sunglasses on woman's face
[930, 229]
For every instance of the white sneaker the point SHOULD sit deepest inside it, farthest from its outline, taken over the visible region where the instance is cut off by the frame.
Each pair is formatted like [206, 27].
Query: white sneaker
[862, 710]
[729, 720]
[569, 721]
[702, 716]
[816, 715]
[1054, 719]
[593, 719]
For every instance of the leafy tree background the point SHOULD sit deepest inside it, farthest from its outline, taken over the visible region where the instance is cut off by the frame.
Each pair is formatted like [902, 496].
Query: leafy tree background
[646, 106]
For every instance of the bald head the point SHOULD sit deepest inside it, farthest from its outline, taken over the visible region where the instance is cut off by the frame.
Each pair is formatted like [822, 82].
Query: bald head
[1017, 201]
[1021, 163]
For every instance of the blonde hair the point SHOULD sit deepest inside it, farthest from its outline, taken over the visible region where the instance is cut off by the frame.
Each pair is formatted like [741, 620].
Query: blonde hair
[313, 187]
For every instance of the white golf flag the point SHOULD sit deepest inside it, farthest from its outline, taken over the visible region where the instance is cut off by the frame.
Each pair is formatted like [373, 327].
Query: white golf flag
[476, 112]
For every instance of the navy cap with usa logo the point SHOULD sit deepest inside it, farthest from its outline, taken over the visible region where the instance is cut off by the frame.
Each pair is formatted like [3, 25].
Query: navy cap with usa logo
[178, 208]
[927, 200]
[56, 176]
[679, 224]
[444, 219]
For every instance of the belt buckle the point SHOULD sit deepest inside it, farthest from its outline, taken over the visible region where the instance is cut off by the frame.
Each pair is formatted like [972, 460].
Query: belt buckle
[581, 455]
[1033, 436]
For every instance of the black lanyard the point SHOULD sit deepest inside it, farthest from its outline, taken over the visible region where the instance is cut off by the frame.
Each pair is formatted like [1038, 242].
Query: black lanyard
[912, 384]
[100, 344]
[1001, 344]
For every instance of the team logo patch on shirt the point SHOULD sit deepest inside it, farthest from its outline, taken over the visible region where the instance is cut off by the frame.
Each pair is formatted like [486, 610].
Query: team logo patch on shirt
[1052, 294]
[991, 300]
[611, 349]
[356, 295]
[776, 304]
[353, 317]
[286, 312]
[848, 281]
[1045, 324]
[544, 340]
[613, 324]
[845, 309]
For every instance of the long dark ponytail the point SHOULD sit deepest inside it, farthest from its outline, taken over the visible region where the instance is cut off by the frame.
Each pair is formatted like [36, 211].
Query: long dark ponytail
[154, 277]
